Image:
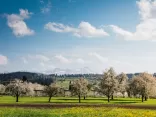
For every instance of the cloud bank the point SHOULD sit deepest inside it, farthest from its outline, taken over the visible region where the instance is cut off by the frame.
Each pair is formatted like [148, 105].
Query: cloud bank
[84, 29]
[146, 29]
[17, 24]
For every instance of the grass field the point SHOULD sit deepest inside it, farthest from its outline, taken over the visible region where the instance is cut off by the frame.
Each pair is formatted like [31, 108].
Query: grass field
[76, 112]
[83, 111]
[73, 100]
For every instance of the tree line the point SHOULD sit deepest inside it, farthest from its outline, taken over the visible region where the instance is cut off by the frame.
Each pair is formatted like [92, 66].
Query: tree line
[142, 85]
[45, 79]
[39, 78]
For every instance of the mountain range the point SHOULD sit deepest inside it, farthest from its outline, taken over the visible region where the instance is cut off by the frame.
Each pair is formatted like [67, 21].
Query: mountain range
[60, 71]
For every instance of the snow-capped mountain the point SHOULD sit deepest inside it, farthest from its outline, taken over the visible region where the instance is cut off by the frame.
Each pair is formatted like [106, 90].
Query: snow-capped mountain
[60, 71]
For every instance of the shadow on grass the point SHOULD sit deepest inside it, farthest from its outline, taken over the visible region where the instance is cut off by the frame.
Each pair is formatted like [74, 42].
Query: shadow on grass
[76, 102]
[105, 102]
[54, 102]
[88, 99]
[116, 99]
[125, 102]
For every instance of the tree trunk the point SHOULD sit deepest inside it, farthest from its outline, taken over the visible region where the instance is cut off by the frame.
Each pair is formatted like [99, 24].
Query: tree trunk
[146, 98]
[84, 97]
[112, 97]
[108, 99]
[79, 99]
[49, 99]
[129, 94]
[94, 94]
[16, 97]
[123, 94]
[142, 98]
[64, 94]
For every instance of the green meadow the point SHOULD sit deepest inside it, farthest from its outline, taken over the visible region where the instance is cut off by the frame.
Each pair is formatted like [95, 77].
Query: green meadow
[74, 100]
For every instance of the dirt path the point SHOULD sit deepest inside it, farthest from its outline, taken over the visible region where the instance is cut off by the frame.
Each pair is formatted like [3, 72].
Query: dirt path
[78, 105]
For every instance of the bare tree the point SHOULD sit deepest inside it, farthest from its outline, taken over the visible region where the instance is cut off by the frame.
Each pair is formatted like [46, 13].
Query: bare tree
[79, 88]
[17, 88]
[51, 90]
[108, 83]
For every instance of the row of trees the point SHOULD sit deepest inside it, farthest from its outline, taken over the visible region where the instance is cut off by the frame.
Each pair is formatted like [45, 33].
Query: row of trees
[143, 85]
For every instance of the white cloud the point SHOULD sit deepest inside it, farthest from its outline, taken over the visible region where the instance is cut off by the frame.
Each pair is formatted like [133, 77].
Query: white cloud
[147, 9]
[96, 61]
[46, 66]
[146, 29]
[80, 60]
[36, 63]
[58, 27]
[121, 31]
[105, 62]
[42, 59]
[122, 63]
[25, 14]
[25, 61]
[39, 57]
[99, 57]
[43, 68]
[3, 60]
[85, 29]
[42, 64]
[62, 59]
[46, 8]
[17, 24]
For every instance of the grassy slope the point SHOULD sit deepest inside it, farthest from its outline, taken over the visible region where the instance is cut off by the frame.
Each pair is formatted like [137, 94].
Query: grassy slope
[73, 100]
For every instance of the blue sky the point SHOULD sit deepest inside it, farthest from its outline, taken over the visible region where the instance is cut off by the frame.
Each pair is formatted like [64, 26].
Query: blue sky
[41, 35]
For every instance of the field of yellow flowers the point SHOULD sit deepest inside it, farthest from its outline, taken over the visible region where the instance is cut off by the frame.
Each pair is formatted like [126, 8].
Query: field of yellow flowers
[76, 112]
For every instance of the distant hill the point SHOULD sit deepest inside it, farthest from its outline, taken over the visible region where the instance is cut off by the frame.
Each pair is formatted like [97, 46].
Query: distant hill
[32, 77]
[130, 75]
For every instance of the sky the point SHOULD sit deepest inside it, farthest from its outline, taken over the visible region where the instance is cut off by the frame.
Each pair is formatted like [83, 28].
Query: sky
[42, 35]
